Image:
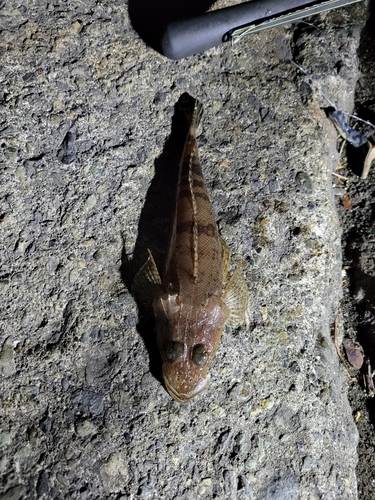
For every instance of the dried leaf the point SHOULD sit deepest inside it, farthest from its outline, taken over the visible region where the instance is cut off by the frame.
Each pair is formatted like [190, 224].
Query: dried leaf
[370, 157]
[346, 203]
[354, 353]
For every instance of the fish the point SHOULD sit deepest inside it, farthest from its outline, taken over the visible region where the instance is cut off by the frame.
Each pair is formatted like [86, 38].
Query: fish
[192, 299]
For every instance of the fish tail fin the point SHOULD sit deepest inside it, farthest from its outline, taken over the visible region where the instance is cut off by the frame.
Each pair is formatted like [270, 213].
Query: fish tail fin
[188, 111]
[197, 113]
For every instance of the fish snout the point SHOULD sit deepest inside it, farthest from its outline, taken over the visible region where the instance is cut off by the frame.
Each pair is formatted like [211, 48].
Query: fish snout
[183, 389]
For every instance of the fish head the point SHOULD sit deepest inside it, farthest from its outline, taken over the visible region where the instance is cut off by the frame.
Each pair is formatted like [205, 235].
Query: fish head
[188, 338]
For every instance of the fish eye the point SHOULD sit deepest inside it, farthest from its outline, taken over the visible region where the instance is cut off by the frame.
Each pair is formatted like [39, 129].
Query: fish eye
[200, 354]
[174, 351]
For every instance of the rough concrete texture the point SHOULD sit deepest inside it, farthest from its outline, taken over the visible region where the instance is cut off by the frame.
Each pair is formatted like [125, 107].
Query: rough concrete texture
[86, 111]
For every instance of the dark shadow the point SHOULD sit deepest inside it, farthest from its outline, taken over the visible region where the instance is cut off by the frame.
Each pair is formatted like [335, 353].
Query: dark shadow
[370, 403]
[360, 222]
[362, 283]
[365, 109]
[151, 17]
[367, 41]
[356, 156]
[155, 223]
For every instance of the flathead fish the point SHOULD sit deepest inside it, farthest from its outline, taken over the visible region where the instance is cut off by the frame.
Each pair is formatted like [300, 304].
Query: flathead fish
[192, 300]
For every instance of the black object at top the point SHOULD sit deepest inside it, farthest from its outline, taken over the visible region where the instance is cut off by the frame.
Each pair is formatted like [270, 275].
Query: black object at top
[189, 36]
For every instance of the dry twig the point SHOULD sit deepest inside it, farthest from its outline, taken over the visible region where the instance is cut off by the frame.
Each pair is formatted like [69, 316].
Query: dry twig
[341, 177]
[370, 157]
[368, 380]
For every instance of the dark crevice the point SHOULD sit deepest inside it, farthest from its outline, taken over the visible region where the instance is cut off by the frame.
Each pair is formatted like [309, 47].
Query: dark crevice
[359, 260]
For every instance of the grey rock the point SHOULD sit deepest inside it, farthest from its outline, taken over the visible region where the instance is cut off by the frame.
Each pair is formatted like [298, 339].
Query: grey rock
[67, 152]
[99, 364]
[305, 89]
[274, 186]
[282, 487]
[14, 493]
[87, 402]
[304, 182]
[45, 424]
[230, 486]
[7, 363]
[87, 118]
[42, 486]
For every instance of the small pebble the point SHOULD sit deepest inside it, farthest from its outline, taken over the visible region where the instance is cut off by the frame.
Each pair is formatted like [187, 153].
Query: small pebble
[90, 202]
[304, 182]
[144, 492]
[241, 392]
[85, 428]
[337, 191]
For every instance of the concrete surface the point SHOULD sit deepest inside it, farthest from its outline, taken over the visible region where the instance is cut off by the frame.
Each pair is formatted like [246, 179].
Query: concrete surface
[86, 111]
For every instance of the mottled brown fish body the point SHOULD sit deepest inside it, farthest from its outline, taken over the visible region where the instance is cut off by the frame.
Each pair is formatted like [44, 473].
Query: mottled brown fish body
[192, 283]
[190, 303]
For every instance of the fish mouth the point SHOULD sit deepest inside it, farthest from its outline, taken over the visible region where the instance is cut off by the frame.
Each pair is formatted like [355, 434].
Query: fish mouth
[183, 397]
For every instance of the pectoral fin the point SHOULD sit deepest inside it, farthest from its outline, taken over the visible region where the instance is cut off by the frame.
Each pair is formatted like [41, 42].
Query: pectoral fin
[236, 297]
[225, 259]
[147, 282]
